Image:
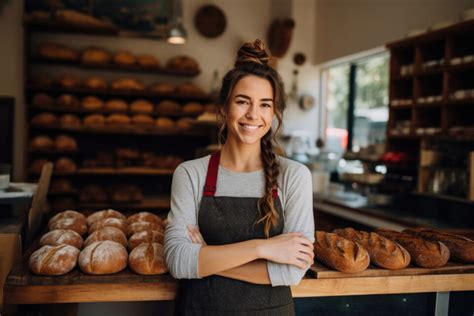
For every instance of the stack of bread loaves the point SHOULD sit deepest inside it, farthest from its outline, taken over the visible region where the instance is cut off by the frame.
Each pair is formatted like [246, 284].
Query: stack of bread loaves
[104, 251]
[350, 251]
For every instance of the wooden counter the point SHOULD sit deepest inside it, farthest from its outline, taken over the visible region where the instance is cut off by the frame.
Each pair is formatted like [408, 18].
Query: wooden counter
[24, 288]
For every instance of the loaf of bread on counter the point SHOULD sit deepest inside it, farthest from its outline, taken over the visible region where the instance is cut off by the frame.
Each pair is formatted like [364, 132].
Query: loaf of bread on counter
[144, 217]
[62, 237]
[340, 253]
[424, 253]
[107, 233]
[148, 258]
[109, 222]
[382, 251]
[94, 217]
[145, 236]
[53, 260]
[103, 257]
[77, 225]
[461, 248]
[136, 227]
[67, 214]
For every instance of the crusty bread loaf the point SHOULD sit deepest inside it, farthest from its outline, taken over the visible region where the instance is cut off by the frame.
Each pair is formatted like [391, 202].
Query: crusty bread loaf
[109, 222]
[461, 248]
[124, 58]
[382, 251]
[94, 217]
[62, 237]
[75, 224]
[41, 142]
[146, 236]
[53, 260]
[340, 253]
[148, 258]
[136, 227]
[424, 253]
[103, 257]
[67, 214]
[144, 217]
[107, 233]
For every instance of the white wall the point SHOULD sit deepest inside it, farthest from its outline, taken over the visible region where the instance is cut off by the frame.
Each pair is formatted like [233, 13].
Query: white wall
[345, 27]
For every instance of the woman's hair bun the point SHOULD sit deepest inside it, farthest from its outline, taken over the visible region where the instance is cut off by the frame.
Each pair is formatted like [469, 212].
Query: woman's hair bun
[252, 52]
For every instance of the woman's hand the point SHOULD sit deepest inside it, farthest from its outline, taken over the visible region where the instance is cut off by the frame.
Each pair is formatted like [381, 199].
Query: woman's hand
[195, 235]
[290, 248]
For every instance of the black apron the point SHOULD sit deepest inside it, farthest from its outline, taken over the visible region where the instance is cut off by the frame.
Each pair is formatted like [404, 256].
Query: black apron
[226, 220]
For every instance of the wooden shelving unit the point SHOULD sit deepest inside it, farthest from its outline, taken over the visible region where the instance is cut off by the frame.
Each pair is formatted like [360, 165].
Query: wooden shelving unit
[155, 183]
[432, 98]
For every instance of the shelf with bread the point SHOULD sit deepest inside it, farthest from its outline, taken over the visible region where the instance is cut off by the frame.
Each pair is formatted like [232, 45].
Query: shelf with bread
[432, 91]
[98, 58]
[151, 202]
[347, 261]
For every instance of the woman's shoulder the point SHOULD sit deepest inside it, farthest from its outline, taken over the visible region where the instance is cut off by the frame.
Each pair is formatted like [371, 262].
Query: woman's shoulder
[197, 165]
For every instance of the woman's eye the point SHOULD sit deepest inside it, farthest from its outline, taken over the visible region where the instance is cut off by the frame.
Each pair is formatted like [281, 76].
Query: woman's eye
[241, 102]
[267, 105]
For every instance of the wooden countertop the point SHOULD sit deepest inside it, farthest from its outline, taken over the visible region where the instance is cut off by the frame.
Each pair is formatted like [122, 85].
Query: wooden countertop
[127, 287]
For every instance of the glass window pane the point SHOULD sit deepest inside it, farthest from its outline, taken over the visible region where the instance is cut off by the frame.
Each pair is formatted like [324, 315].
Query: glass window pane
[336, 101]
[371, 103]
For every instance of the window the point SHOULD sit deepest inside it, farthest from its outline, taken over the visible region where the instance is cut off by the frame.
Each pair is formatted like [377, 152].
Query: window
[355, 99]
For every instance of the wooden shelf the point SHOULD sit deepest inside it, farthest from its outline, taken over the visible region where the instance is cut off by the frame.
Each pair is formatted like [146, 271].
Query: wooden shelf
[86, 111]
[124, 130]
[116, 67]
[56, 27]
[444, 197]
[115, 93]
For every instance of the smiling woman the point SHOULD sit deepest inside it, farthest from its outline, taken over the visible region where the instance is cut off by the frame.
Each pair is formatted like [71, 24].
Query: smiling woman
[241, 226]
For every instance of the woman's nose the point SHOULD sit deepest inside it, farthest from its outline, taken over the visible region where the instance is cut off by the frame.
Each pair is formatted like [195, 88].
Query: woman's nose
[252, 112]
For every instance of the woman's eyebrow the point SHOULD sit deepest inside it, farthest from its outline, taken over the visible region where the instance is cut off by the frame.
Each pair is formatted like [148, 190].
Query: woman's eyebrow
[248, 98]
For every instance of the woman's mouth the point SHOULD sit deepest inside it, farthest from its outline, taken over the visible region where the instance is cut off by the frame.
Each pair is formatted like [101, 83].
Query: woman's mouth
[250, 127]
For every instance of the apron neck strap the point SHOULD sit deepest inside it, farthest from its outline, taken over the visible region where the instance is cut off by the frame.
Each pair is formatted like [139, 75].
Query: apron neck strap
[211, 178]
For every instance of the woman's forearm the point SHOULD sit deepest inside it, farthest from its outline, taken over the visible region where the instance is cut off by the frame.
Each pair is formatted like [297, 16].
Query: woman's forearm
[253, 272]
[216, 259]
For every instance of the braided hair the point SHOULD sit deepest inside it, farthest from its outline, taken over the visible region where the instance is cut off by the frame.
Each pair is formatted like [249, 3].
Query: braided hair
[252, 59]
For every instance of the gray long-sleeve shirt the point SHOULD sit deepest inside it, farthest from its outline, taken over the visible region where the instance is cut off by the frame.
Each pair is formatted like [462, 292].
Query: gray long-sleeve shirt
[295, 192]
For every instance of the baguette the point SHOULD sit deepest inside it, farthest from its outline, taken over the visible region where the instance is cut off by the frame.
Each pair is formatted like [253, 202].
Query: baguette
[461, 248]
[382, 251]
[425, 253]
[339, 253]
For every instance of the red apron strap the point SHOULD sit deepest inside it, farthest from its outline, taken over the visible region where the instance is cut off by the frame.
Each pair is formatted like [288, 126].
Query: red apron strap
[211, 178]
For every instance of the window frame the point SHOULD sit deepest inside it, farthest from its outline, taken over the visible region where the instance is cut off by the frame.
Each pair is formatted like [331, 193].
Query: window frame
[351, 61]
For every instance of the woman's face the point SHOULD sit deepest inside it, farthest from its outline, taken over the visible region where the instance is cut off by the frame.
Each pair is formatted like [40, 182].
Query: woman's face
[250, 112]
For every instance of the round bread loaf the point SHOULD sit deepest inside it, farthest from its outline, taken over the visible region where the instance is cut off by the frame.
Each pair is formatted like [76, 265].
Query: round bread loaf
[109, 222]
[95, 55]
[144, 217]
[97, 216]
[164, 122]
[118, 119]
[65, 164]
[67, 214]
[116, 105]
[189, 88]
[193, 108]
[92, 103]
[124, 58]
[182, 63]
[128, 84]
[69, 120]
[141, 106]
[94, 120]
[61, 185]
[142, 120]
[62, 237]
[162, 88]
[57, 51]
[44, 119]
[53, 260]
[75, 224]
[184, 123]
[95, 83]
[148, 61]
[148, 258]
[67, 101]
[107, 233]
[65, 142]
[41, 142]
[136, 227]
[37, 165]
[103, 257]
[146, 236]
[168, 106]
[68, 81]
